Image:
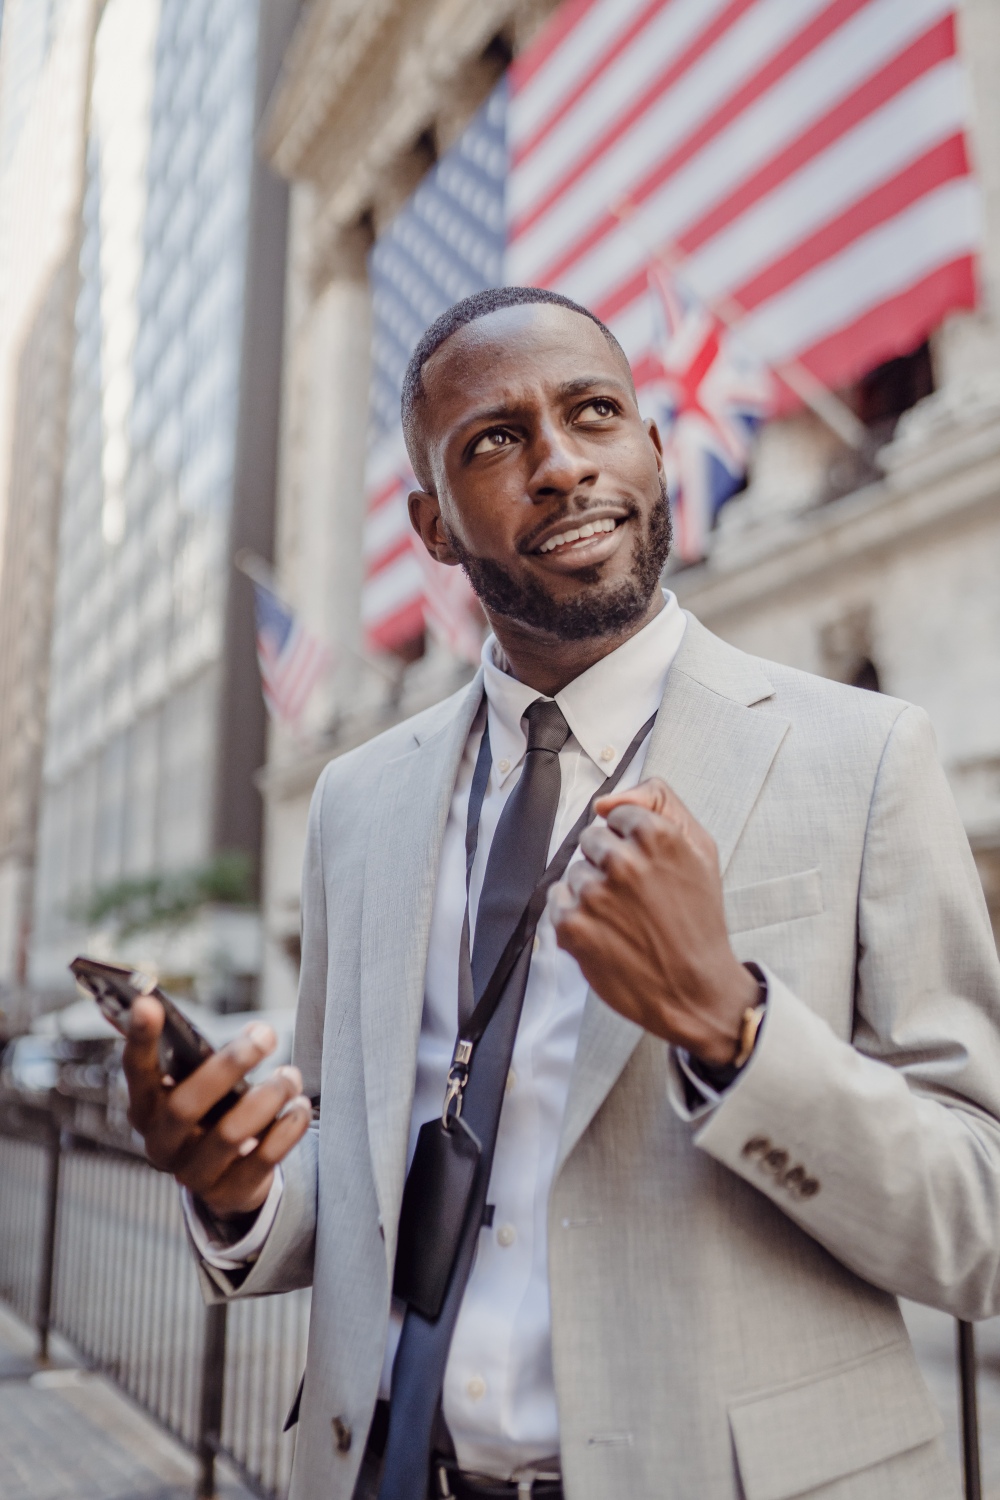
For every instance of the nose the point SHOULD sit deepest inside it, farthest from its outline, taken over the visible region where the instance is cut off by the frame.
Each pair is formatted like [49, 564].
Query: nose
[560, 465]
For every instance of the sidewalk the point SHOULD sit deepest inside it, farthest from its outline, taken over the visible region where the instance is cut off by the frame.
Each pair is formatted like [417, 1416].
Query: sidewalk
[68, 1435]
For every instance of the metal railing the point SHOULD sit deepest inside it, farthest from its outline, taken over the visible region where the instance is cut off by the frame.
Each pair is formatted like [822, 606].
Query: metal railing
[92, 1246]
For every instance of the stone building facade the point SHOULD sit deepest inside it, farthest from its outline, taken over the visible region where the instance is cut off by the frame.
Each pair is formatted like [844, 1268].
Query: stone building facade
[884, 575]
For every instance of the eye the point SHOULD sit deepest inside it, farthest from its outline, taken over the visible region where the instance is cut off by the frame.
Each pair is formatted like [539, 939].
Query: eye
[492, 441]
[600, 407]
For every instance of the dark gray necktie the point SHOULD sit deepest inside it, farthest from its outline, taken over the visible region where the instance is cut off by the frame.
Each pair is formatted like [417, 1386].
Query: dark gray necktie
[520, 848]
[516, 862]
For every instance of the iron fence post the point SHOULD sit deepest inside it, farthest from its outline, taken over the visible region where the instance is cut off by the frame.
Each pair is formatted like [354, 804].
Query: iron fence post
[48, 1268]
[213, 1368]
[970, 1411]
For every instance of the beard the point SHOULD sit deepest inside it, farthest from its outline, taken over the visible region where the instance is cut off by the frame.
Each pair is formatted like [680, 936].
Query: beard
[596, 611]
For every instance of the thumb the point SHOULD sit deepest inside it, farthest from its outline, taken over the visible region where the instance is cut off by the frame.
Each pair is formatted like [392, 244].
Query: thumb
[653, 794]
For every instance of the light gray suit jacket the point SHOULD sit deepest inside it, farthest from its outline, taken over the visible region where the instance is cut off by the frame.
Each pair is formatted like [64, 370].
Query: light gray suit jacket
[724, 1316]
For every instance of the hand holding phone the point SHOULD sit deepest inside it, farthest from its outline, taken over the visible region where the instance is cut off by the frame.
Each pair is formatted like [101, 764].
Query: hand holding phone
[199, 1118]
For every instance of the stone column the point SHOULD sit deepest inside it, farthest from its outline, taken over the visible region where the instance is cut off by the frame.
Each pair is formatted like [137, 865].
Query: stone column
[319, 528]
[331, 500]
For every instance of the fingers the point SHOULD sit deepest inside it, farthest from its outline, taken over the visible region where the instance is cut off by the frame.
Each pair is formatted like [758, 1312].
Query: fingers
[559, 903]
[652, 794]
[191, 1100]
[651, 812]
[140, 1059]
[598, 844]
[240, 1132]
[285, 1133]
[575, 930]
[580, 876]
[244, 1185]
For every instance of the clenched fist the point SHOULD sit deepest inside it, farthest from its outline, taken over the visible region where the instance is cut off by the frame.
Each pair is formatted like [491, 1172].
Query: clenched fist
[643, 916]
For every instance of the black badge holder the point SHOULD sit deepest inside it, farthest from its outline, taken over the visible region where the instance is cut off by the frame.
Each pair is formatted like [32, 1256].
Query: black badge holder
[441, 1180]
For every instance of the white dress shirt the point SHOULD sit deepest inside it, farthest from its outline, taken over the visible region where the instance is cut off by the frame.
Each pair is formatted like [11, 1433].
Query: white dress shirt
[499, 1393]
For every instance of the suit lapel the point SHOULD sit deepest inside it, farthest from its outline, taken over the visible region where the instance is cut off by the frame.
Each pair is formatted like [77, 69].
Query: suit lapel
[715, 751]
[404, 848]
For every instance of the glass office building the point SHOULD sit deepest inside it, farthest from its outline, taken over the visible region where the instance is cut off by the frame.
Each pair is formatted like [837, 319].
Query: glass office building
[153, 734]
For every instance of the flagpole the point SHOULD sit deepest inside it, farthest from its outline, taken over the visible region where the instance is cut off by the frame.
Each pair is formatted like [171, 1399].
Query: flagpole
[824, 403]
[258, 571]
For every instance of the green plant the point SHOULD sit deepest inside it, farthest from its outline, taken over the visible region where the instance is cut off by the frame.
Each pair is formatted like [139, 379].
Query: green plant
[141, 902]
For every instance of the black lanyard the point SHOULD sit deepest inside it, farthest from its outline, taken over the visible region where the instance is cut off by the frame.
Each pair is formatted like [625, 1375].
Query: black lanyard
[474, 1017]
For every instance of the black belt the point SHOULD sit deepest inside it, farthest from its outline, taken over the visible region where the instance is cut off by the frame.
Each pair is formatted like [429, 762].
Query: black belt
[449, 1482]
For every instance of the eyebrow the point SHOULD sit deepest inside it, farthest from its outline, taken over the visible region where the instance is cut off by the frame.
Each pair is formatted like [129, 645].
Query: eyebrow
[587, 382]
[576, 387]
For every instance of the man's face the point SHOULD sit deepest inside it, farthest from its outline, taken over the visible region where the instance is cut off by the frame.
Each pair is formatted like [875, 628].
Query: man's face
[547, 485]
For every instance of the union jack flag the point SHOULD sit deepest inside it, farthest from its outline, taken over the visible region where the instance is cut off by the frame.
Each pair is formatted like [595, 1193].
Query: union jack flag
[292, 659]
[710, 399]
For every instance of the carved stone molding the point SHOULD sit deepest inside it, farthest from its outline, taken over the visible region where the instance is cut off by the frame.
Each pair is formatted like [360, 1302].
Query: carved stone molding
[371, 92]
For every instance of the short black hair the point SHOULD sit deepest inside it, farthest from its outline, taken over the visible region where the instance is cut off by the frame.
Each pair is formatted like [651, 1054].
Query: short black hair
[479, 305]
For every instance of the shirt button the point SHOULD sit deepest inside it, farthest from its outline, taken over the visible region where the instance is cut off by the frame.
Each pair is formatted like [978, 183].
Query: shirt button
[476, 1388]
[511, 1082]
[506, 1235]
[536, 944]
[608, 753]
[503, 765]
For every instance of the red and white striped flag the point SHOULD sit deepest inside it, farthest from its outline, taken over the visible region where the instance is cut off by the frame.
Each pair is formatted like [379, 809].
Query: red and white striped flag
[799, 164]
[292, 660]
[803, 161]
[405, 589]
[445, 243]
[392, 599]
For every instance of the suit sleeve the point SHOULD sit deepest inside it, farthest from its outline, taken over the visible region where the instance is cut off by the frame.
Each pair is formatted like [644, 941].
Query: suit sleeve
[285, 1260]
[886, 1149]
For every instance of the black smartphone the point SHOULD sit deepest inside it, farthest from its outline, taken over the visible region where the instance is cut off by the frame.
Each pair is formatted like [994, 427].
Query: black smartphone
[182, 1046]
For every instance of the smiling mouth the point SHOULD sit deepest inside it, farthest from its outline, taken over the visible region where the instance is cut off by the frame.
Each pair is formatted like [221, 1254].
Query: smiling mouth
[579, 534]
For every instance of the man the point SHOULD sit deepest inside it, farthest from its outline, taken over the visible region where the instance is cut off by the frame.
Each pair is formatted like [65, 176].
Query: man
[744, 1078]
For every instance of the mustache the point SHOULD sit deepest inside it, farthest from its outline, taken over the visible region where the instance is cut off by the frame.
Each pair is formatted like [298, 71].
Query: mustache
[578, 517]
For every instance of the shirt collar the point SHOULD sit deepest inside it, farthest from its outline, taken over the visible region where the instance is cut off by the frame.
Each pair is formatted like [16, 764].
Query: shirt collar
[604, 707]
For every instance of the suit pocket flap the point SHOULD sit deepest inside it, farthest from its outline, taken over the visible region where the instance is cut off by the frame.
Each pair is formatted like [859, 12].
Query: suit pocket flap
[791, 1441]
[771, 901]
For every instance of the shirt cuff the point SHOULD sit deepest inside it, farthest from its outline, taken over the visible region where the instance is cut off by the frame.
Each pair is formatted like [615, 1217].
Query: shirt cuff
[702, 1098]
[244, 1251]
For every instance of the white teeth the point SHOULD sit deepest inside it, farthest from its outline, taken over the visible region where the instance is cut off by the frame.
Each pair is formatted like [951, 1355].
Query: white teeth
[591, 528]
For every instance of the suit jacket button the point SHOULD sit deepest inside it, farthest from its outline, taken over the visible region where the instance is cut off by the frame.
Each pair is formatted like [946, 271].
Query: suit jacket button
[809, 1188]
[341, 1435]
[777, 1161]
[794, 1178]
[756, 1146]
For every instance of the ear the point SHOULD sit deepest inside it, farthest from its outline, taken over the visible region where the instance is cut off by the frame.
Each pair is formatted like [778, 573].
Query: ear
[425, 518]
[653, 433]
[656, 440]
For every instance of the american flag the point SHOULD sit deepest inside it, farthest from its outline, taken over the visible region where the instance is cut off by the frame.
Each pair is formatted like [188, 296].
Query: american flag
[446, 243]
[714, 396]
[292, 659]
[803, 160]
[801, 163]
